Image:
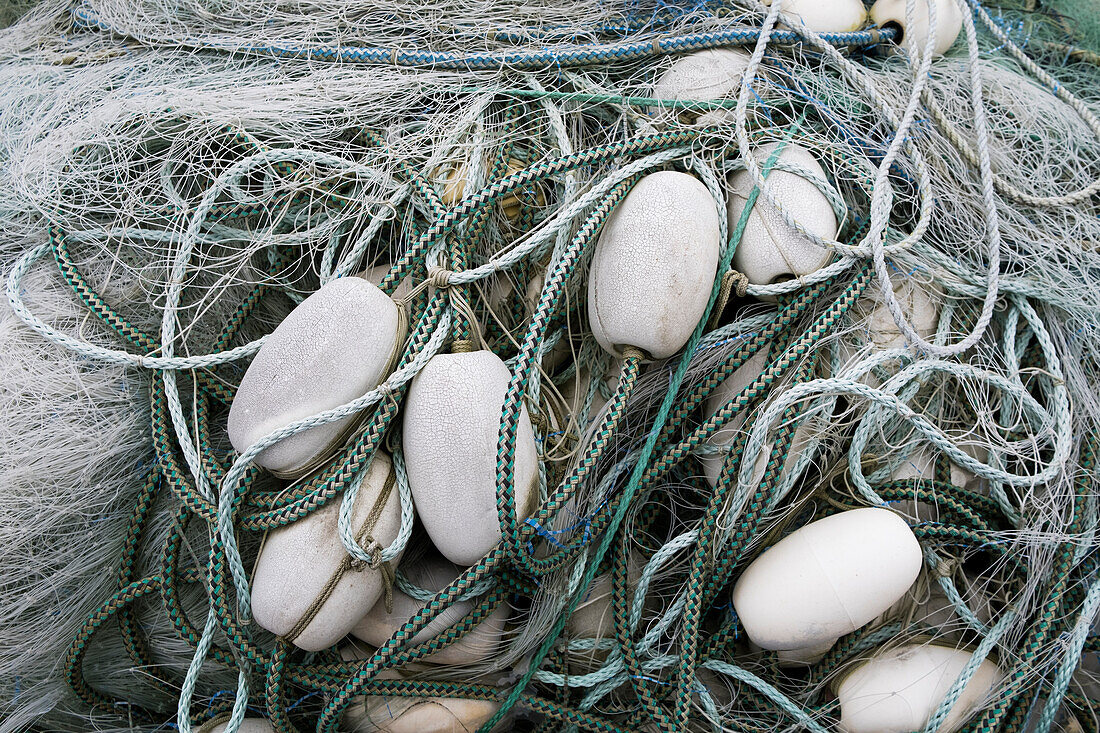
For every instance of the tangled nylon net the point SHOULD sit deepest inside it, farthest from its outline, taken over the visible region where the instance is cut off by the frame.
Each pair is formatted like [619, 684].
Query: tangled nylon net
[177, 177]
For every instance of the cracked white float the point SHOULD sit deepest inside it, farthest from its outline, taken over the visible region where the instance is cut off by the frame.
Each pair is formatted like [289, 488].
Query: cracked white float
[451, 423]
[306, 587]
[703, 76]
[728, 434]
[891, 13]
[771, 250]
[434, 574]
[654, 266]
[337, 345]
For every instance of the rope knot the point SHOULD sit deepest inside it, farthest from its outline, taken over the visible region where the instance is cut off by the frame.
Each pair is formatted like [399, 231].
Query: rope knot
[440, 277]
[732, 283]
[946, 567]
[738, 282]
[374, 549]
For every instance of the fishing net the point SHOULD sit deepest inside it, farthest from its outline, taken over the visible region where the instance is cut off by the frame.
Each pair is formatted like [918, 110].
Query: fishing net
[1080, 16]
[177, 178]
[13, 10]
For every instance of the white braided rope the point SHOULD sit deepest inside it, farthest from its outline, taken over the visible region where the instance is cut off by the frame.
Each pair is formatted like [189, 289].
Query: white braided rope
[1058, 424]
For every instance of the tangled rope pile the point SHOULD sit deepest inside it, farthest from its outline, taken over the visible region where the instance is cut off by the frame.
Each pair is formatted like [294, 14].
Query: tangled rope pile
[178, 179]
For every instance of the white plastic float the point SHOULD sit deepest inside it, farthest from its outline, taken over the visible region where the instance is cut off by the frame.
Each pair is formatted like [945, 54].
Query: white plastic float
[594, 617]
[891, 13]
[392, 714]
[825, 580]
[654, 266]
[770, 250]
[920, 463]
[826, 16]
[876, 325]
[337, 345]
[299, 561]
[434, 574]
[703, 76]
[451, 423]
[930, 606]
[899, 690]
[727, 435]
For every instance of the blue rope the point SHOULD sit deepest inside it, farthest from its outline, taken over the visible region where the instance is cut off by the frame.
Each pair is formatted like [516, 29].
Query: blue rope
[570, 55]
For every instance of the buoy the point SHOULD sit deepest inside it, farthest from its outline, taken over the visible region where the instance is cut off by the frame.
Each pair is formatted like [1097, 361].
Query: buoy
[920, 463]
[376, 274]
[826, 16]
[393, 714]
[306, 587]
[727, 435]
[337, 345]
[930, 606]
[827, 579]
[654, 266]
[575, 390]
[874, 327]
[770, 250]
[703, 76]
[877, 326]
[452, 420]
[433, 574]
[899, 690]
[593, 618]
[891, 14]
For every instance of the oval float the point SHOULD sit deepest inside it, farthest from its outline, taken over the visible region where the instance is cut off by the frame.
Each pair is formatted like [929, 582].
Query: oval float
[899, 690]
[386, 714]
[654, 266]
[771, 250]
[728, 434]
[435, 574]
[299, 561]
[826, 16]
[452, 420]
[827, 579]
[337, 345]
[703, 76]
[880, 330]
